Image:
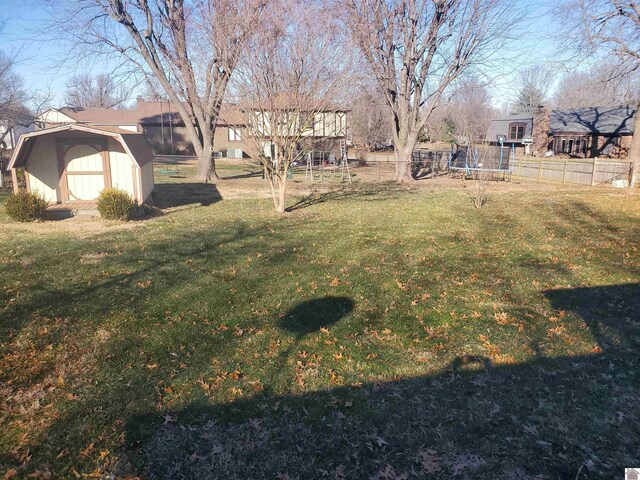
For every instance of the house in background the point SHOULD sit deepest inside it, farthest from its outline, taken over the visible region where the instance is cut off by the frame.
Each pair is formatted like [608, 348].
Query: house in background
[592, 132]
[94, 116]
[514, 129]
[585, 132]
[166, 133]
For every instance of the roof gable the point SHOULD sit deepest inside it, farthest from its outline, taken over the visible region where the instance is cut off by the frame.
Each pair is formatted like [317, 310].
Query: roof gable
[500, 125]
[133, 143]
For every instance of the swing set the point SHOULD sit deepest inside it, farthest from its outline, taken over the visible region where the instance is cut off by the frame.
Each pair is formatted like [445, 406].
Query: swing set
[322, 166]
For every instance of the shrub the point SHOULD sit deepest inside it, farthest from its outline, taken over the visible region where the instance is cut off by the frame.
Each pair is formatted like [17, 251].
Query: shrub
[114, 204]
[26, 207]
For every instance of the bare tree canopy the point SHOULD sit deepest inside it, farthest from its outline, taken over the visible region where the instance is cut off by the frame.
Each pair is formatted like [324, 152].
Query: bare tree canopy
[292, 80]
[189, 48]
[85, 90]
[12, 93]
[417, 48]
[369, 121]
[596, 88]
[532, 87]
[13, 98]
[610, 29]
[470, 111]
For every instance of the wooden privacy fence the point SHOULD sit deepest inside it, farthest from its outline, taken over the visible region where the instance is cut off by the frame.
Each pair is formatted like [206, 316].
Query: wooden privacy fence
[581, 171]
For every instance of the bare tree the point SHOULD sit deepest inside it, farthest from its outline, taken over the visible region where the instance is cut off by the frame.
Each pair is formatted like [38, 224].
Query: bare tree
[470, 111]
[601, 87]
[13, 98]
[532, 87]
[439, 127]
[13, 95]
[189, 48]
[417, 48]
[369, 121]
[288, 87]
[610, 29]
[85, 90]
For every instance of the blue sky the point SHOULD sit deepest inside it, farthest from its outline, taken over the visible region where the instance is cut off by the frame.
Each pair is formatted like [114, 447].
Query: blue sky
[41, 67]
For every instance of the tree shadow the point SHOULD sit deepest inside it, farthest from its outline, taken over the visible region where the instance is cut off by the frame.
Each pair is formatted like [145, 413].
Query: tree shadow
[612, 312]
[371, 192]
[312, 315]
[566, 417]
[172, 195]
[241, 176]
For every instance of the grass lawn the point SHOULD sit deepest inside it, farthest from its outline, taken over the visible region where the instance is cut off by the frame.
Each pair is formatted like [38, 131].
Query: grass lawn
[381, 333]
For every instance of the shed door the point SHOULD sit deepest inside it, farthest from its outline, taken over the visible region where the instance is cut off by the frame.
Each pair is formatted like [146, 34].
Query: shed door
[84, 167]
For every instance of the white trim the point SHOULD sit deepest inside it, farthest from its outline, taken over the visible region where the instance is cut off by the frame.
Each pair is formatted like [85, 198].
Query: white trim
[81, 128]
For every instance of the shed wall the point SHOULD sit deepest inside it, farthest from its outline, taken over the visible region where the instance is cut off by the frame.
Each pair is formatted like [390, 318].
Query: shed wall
[121, 168]
[147, 180]
[42, 169]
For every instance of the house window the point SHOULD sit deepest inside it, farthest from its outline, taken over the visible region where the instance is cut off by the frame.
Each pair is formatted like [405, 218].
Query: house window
[235, 135]
[516, 131]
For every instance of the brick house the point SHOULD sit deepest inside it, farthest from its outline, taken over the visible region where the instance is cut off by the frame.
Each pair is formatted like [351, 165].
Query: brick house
[585, 132]
[166, 133]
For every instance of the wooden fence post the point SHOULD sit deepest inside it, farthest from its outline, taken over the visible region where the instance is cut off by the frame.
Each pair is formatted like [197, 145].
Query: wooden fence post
[539, 169]
[593, 171]
[564, 173]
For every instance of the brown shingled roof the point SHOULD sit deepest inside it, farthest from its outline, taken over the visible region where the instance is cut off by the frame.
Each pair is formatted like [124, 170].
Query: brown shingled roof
[156, 112]
[145, 113]
[100, 115]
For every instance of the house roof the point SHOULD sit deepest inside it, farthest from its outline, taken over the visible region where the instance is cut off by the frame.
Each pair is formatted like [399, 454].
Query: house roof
[145, 113]
[100, 115]
[154, 113]
[132, 142]
[294, 102]
[157, 112]
[500, 125]
[611, 120]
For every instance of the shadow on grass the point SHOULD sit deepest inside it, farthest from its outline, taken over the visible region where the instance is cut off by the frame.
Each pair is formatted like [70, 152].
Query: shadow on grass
[312, 315]
[567, 417]
[171, 195]
[372, 192]
[240, 176]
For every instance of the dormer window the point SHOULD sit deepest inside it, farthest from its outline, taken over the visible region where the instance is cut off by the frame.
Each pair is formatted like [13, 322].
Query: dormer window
[516, 131]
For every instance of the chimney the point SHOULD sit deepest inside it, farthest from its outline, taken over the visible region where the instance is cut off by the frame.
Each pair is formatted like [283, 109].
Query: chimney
[540, 131]
[139, 100]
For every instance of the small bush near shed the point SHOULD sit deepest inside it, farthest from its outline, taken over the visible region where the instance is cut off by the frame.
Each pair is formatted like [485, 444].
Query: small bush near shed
[114, 204]
[25, 207]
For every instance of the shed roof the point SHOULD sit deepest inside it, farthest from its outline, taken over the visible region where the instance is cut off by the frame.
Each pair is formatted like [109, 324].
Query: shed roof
[500, 125]
[132, 142]
[612, 120]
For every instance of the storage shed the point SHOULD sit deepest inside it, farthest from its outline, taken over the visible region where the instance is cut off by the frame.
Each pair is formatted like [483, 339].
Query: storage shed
[74, 163]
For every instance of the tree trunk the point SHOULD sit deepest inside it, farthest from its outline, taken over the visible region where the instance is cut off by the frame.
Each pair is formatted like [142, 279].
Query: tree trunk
[403, 144]
[634, 152]
[282, 193]
[206, 162]
[403, 157]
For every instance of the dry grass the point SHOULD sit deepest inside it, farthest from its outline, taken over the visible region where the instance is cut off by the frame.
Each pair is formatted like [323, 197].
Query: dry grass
[375, 331]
